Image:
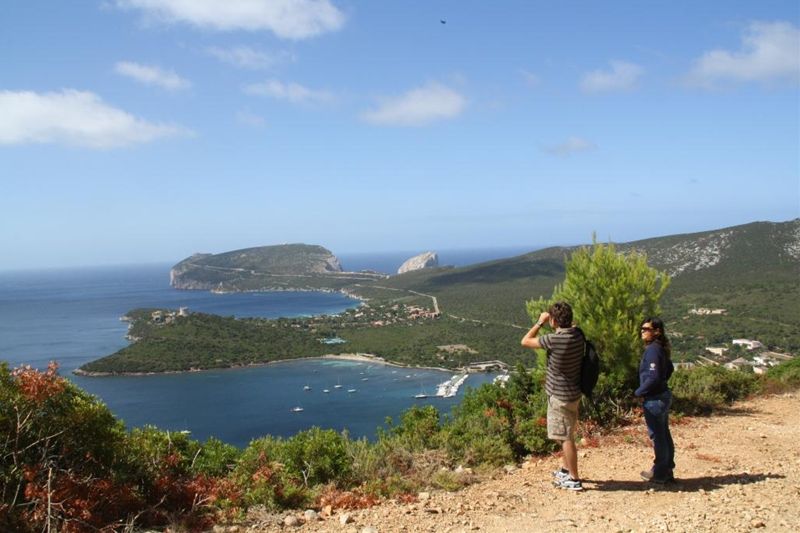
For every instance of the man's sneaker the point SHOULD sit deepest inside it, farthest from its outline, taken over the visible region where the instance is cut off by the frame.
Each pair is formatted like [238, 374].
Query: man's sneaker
[561, 473]
[569, 484]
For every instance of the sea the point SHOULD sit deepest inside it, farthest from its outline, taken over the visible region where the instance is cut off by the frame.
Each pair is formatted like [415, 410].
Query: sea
[72, 316]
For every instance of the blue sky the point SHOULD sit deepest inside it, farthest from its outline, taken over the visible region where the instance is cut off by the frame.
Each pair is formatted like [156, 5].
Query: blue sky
[147, 130]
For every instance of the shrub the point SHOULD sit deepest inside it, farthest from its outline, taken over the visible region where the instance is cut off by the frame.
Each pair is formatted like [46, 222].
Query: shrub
[284, 472]
[215, 458]
[316, 456]
[262, 479]
[786, 373]
[418, 428]
[500, 424]
[703, 389]
[59, 456]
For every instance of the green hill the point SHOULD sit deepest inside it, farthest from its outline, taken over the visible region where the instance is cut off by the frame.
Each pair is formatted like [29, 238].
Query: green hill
[279, 267]
[750, 272]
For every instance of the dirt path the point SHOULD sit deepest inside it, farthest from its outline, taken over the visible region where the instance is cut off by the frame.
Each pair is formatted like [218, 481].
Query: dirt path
[736, 472]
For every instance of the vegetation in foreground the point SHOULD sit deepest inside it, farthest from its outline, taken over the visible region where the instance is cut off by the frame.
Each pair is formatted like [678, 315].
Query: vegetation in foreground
[66, 462]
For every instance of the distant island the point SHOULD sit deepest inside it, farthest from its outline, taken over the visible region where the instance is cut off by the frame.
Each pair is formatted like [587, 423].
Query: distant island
[732, 284]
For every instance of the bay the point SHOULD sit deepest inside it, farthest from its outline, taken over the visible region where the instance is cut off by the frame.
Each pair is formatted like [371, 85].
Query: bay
[73, 316]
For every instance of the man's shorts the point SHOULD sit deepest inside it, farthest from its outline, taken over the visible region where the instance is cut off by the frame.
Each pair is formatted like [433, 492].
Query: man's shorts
[562, 418]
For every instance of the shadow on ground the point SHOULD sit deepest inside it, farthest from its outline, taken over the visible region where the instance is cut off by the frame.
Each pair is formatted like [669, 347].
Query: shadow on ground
[690, 484]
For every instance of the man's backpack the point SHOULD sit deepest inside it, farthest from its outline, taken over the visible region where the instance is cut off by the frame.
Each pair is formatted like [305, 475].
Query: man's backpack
[590, 367]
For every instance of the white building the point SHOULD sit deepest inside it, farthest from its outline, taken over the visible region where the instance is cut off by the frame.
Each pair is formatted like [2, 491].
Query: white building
[707, 311]
[750, 345]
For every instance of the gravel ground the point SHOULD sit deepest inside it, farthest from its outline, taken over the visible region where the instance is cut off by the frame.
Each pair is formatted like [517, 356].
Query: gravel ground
[738, 471]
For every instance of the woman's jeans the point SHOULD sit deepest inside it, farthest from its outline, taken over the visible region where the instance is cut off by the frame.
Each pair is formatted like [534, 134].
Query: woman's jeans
[656, 416]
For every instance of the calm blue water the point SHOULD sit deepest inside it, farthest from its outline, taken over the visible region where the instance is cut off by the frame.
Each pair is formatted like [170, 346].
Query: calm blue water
[72, 316]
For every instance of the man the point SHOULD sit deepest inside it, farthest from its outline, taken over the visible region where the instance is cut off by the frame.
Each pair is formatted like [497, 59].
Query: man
[565, 347]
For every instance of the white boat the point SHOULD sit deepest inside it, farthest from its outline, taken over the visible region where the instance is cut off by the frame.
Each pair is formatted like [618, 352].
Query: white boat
[420, 396]
[337, 386]
[307, 387]
[351, 390]
[297, 409]
[326, 391]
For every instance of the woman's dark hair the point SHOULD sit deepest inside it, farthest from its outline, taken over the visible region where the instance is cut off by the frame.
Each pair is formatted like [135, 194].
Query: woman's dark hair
[562, 314]
[659, 334]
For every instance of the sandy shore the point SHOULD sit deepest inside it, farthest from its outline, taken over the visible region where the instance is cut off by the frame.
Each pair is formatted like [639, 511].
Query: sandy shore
[355, 357]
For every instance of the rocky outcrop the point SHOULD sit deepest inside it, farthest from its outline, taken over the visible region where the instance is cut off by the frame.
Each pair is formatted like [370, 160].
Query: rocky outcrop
[418, 262]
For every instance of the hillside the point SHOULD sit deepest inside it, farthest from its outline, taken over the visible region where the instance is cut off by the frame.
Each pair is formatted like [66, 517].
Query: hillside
[738, 471]
[748, 272]
[284, 266]
[751, 271]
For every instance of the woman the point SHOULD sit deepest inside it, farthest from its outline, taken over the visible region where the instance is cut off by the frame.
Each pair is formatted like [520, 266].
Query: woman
[654, 372]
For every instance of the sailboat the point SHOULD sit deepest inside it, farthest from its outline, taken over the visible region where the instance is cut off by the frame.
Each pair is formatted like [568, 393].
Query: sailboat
[338, 383]
[421, 394]
[297, 409]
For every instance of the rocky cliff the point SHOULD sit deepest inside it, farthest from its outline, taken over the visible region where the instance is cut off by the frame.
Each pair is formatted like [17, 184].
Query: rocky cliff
[426, 260]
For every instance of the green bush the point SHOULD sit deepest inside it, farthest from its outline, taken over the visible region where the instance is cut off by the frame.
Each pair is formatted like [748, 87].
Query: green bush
[786, 373]
[705, 388]
[263, 479]
[316, 456]
[418, 428]
[60, 454]
[285, 472]
[215, 458]
[500, 424]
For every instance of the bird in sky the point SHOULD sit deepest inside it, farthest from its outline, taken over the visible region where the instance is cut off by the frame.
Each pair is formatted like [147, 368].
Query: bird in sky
[443, 21]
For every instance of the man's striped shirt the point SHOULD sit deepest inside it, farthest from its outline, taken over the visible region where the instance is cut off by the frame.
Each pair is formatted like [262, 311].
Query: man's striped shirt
[564, 354]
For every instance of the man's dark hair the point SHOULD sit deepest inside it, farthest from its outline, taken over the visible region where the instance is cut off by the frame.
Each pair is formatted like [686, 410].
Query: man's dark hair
[561, 312]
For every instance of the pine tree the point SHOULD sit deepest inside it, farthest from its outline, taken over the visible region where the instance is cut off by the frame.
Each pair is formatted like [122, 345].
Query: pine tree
[610, 293]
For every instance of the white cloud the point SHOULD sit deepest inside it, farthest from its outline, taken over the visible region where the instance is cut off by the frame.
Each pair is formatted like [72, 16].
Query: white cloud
[571, 146]
[248, 118]
[290, 92]
[622, 77]
[531, 79]
[288, 19]
[151, 75]
[75, 118]
[770, 51]
[249, 58]
[418, 107]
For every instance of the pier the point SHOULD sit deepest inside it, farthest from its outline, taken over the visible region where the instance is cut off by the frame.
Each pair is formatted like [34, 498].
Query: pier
[449, 388]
